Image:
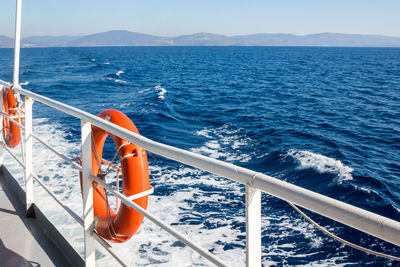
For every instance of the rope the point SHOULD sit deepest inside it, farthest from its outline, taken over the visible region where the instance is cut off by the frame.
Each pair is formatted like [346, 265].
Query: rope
[19, 111]
[386, 256]
[95, 154]
[102, 175]
[127, 156]
[116, 199]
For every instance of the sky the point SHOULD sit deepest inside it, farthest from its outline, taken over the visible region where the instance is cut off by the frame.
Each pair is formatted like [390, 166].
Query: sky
[180, 17]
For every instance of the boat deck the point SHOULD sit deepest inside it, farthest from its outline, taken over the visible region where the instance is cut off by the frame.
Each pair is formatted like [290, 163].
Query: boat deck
[28, 240]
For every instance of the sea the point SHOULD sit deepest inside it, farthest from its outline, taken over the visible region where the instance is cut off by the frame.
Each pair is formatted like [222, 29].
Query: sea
[323, 118]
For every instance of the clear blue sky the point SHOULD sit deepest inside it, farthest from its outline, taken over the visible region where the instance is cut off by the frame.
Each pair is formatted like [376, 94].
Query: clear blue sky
[176, 17]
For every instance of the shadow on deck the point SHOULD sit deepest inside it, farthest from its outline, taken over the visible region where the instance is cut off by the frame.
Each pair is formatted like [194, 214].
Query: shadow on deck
[28, 238]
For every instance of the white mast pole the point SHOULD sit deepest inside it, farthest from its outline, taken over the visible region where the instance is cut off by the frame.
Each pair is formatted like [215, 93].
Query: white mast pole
[17, 42]
[28, 110]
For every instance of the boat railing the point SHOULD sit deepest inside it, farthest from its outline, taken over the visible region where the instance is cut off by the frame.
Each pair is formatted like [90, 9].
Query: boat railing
[255, 182]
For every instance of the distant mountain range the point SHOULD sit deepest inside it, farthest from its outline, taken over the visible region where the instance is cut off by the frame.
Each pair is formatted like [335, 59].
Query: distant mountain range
[127, 38]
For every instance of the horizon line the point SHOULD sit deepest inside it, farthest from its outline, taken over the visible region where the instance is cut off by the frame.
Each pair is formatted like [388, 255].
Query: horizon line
[173, 36]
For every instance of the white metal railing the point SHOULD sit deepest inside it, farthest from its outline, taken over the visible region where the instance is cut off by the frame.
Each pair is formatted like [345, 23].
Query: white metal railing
[376, 225]
[72, 213]
[379, 226]
[368, 222]
[88, 209]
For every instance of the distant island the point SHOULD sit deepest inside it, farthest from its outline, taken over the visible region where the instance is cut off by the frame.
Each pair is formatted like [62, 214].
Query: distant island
[128, 38]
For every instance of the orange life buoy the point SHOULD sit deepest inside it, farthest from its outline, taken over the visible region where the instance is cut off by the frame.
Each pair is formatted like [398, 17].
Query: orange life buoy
[11, 131]
[121, 226]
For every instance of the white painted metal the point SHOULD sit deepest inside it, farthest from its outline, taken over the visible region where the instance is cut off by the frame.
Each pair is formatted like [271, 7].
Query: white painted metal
[87, 192]
[77, 166]
[141, 194]
[73, 214]
[371, 223]
[15, 117]
[79, 220]
[17, 42]
[110, 250]
[253, 227]
[203, 252]
[12, 155]
[28, 152]
[12, 120]
[376, 225]
[5, 84]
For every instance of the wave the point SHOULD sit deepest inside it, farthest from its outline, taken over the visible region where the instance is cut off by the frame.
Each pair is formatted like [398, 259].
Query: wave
[144, 90]
[225, 143]
[321, 163]
[174, 188]
[201, 205]
[120, 81]
[115, 77]
[117, 80]
[209, 210]
[150, 245]
[160, 91]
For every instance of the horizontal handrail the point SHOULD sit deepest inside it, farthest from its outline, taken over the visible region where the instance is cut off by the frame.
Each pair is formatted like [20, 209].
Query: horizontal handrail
[65, 158]
[72, 213]
[11, 119]
[124, 199]
[12, 155]
[44, 143]
[371, 223]
[5, 84]
[79, 220]
[363, 220]
[110, 249]
[16, 117]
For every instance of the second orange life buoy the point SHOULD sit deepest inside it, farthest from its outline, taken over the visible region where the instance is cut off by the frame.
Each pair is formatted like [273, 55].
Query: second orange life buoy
[11, 131]
[119, 227]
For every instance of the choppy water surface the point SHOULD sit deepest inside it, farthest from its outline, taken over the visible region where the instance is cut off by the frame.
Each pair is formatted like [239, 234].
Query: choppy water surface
[326, 119]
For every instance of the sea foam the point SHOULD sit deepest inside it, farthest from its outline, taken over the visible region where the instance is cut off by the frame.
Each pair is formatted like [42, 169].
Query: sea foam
[161, 92]
[224, 143]
[151, 245]
[321, 163]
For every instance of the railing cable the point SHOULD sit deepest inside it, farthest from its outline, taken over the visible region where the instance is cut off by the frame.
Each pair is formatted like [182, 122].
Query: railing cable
[373, 252]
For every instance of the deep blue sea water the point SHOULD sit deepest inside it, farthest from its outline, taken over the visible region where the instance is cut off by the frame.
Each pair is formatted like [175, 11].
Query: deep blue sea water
[327, 119]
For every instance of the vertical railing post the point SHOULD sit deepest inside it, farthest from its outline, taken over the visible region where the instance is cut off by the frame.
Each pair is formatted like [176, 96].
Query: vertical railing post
[253, 226]
[28, 152]
[87, 191]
